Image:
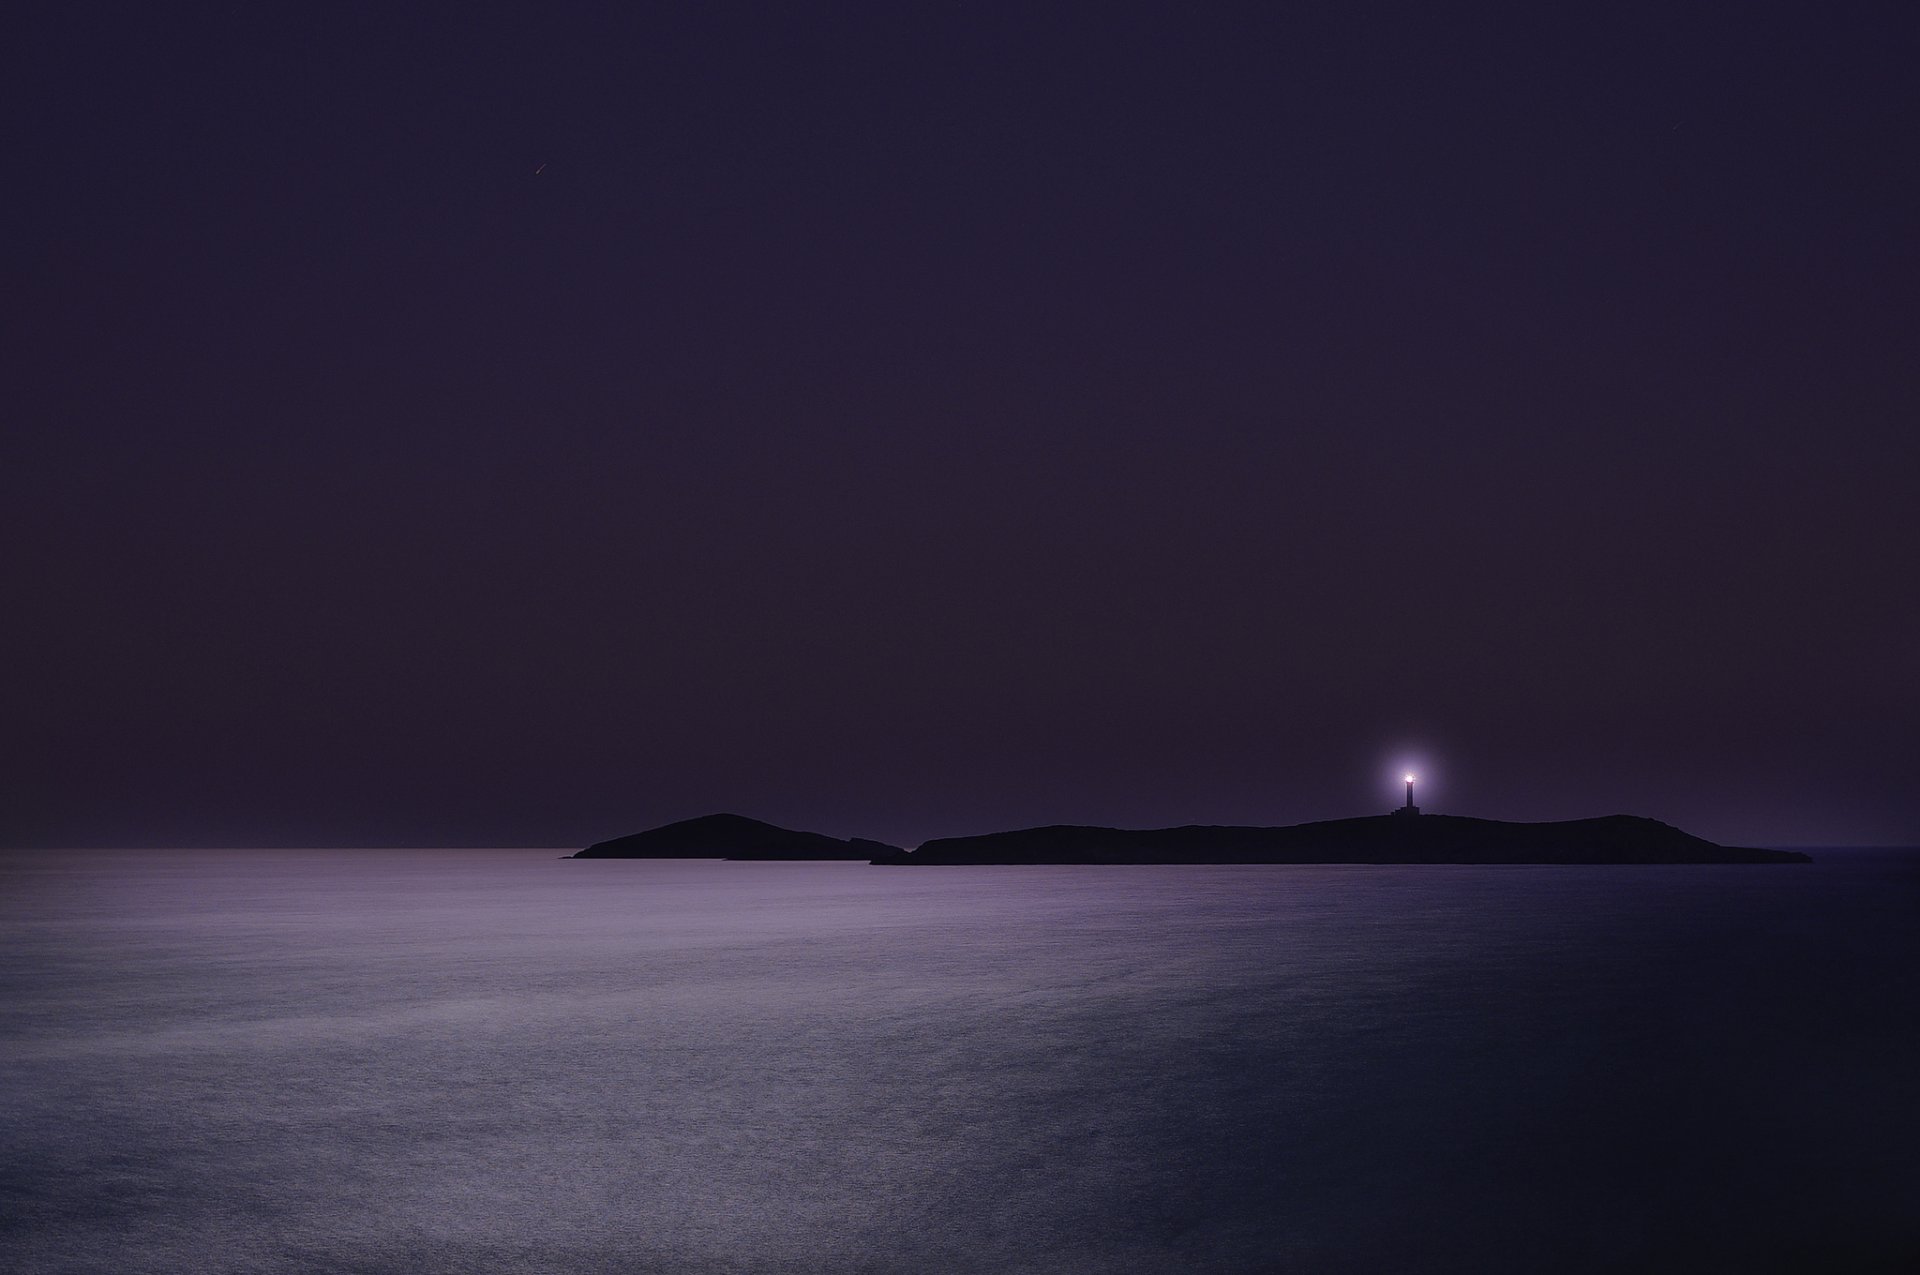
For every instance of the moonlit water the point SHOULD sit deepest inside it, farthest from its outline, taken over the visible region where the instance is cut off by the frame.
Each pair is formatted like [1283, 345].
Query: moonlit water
[439, 1061]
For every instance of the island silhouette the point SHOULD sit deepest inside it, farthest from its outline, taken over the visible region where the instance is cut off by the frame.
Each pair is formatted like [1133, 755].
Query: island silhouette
[1404, 837]
[725, 836]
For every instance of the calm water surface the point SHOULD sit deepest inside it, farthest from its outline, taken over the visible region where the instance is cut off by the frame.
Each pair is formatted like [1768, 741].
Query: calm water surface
[440, 1061]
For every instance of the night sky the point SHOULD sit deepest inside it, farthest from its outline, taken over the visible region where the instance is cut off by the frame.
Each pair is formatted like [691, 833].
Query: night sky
[520, 426]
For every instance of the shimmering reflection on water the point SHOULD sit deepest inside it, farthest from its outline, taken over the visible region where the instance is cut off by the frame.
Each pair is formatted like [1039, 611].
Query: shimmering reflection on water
[501, 1061]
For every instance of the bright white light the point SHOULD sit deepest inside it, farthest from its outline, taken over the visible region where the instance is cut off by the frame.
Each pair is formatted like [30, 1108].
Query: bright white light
[1409, 778]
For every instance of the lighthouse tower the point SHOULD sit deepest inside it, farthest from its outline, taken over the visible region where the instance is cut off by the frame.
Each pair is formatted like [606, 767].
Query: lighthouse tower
[1409, 810]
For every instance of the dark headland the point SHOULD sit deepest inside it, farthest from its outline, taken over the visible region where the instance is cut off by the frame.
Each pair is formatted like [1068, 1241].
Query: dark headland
[1396, 838]
[733, 837]
[1401, 837]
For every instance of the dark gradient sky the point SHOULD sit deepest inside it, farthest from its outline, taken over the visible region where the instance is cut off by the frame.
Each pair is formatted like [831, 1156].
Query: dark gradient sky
[524, 425]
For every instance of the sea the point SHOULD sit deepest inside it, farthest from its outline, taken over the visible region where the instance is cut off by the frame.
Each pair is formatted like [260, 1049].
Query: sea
[506, 1061]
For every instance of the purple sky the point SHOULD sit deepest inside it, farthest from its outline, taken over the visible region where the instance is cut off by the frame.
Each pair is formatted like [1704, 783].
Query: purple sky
[523, 426]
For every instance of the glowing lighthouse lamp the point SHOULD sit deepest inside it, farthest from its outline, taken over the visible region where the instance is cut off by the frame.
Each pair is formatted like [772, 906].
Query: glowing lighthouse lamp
[1409, 809]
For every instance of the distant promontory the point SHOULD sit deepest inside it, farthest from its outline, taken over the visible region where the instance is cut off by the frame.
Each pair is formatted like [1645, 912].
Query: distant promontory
[733, 837]
[1401, 837]
[1405, 836]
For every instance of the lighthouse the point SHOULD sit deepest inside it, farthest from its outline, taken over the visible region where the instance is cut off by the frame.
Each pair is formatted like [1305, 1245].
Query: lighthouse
[1409, 809]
